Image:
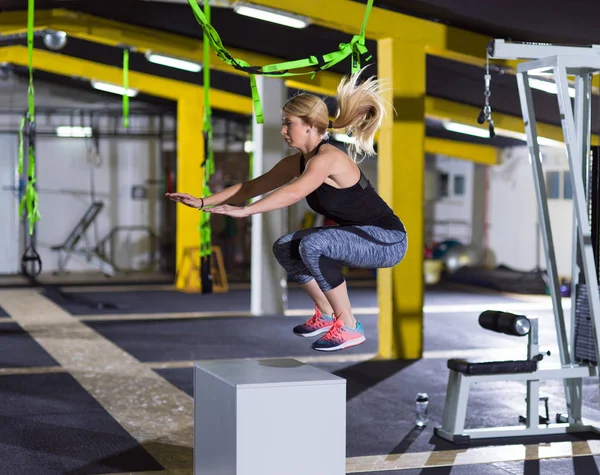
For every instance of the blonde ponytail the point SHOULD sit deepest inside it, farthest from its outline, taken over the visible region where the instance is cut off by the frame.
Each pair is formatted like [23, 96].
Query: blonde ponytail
[361, 109]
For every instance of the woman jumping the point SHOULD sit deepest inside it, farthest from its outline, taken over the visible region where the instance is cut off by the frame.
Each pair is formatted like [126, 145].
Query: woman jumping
[368, 234]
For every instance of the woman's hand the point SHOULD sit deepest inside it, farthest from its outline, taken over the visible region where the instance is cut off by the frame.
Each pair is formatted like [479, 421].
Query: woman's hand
[233, 211]
[185, 199]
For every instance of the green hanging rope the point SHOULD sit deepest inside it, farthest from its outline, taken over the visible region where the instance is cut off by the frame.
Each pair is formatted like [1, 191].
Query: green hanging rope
[125, 88]
[355, 48]
[209, 169]
[30, 200]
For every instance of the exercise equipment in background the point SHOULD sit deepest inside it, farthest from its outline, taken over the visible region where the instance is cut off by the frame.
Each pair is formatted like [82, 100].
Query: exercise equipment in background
[464, 373]
[578, 349]
[89, 254]
[31, 263]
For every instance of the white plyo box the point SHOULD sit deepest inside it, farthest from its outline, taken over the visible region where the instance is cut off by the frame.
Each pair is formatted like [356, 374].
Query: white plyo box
[268, 417]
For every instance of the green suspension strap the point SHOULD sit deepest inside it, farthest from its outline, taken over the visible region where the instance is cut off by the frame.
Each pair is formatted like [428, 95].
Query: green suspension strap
[355, 48]
[29, 201]
[209, 168]
[361, 48]
[125, 88]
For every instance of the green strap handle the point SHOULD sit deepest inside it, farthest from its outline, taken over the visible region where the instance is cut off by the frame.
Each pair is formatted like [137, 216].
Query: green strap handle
[125, 88]
[355, 48]
[209, 163]
[30, 200]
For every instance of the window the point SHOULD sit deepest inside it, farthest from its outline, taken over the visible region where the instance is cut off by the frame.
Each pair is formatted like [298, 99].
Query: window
[553, 185]
[567, 188]
[558, 185]
[444, 178]
[459, 185]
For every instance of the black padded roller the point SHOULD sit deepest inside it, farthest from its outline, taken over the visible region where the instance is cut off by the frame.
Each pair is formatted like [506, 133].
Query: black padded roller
[504, 322]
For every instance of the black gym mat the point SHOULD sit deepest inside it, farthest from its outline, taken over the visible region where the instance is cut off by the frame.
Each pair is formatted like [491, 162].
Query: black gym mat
[502, 278]
[171, 301]
[215, 338]
[586, 465]
[50, 425]
[565, 466]
[157, 301]
[487, 469]
[3, 313]
[19, 350]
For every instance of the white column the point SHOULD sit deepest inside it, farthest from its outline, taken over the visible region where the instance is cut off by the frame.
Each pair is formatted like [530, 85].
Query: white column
[478, 209]
[268, 278]
[10, 233]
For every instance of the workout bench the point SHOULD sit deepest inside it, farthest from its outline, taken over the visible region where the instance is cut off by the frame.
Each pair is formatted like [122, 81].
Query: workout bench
[465, 373]
[92, 256]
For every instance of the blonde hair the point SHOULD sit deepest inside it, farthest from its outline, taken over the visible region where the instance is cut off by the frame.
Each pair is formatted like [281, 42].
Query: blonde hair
[361, 109]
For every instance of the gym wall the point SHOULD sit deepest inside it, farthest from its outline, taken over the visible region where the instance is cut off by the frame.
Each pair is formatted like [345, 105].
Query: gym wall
[513, 212]
[127, 177]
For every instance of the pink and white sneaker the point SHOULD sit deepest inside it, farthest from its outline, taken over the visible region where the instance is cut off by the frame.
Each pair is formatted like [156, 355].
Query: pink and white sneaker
[340, 337]
[316, 325]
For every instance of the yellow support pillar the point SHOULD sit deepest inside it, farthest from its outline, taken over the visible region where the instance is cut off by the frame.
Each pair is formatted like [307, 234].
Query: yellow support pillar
[401, 172]
[190, 155]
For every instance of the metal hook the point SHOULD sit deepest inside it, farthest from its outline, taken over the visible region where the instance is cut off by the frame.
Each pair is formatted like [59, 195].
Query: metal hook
[486, 112]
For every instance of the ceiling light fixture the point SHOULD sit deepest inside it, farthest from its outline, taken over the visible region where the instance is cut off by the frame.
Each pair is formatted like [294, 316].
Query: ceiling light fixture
[55, 40]
[172, 62]
[466, 129]
[270, 14]
[548, 86]
[484, 133]
[73, 131]
[113, 88]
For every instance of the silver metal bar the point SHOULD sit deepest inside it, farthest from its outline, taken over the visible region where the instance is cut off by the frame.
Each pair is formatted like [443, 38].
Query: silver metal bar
[522, 431]
[533, 404]
[542, 373]
[533, 386]
[533, 348]
[574, 147]
[544, 214]
[573, 65]
[583, 87]
[501, 49]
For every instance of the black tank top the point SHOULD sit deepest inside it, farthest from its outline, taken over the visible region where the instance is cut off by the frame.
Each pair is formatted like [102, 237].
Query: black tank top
[358, 205]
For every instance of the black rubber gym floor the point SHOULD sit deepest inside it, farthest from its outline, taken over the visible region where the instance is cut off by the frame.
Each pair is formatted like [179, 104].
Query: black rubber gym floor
[165, 301]
[49, 425]
[577, 465]
[215, 338]
[19, 350]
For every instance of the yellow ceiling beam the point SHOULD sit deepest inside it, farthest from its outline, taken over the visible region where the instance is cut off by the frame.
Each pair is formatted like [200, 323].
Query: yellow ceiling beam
[449, 42]
[443, 109]
[477, 153]
[114, 33]
[173, 89]
[439, 39]
[170, 88]
[146, 83]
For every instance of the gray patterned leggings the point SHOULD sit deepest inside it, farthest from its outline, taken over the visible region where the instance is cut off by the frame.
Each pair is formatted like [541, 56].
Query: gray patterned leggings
[320, 253]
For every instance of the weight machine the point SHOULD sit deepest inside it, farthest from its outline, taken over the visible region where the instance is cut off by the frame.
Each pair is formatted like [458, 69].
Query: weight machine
[578, 351]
